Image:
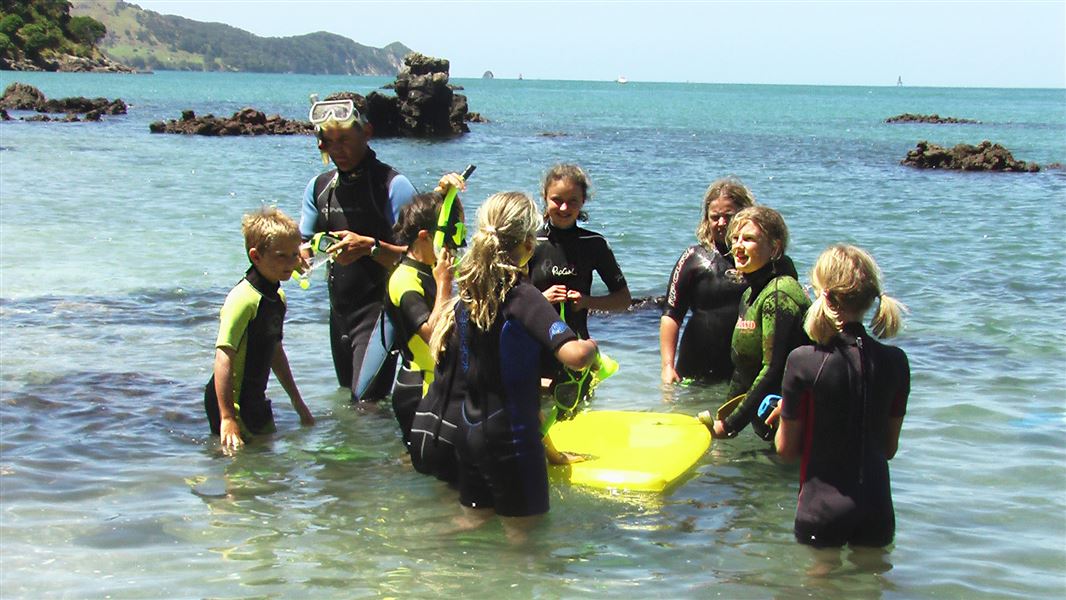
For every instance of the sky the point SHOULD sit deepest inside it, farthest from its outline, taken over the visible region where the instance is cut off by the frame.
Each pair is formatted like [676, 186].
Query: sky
[935, 43]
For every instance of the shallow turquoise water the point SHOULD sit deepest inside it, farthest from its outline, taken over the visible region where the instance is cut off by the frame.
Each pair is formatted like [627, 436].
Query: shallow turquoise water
[118, 246]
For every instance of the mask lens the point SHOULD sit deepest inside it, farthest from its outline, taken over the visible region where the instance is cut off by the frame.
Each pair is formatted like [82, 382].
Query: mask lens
[337, 110]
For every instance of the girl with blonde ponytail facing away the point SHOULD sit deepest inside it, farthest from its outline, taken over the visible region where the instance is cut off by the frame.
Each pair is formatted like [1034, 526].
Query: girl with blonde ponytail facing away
[490, 344]
[842, 407]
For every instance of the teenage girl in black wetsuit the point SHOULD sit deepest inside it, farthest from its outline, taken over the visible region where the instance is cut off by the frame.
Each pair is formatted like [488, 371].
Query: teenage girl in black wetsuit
[843, 405]
[566, 255]
[491, 343]
[705, 282]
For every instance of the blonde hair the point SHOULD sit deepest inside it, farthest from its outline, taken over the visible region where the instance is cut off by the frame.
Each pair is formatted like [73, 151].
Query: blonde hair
[737, 193]
[770, 223]
[490, 268]
[847, 279]
[263, 227]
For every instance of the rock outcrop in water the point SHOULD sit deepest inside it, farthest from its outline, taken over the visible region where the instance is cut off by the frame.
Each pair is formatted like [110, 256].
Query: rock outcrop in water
[247, 121]
[20, 96]
[424, 106]
[985, 156]
[933, 119]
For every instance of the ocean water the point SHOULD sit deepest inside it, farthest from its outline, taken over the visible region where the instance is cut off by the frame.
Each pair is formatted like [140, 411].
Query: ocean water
[117, 248]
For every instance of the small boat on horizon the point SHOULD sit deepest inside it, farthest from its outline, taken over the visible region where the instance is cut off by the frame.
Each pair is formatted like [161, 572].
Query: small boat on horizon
[621, 79]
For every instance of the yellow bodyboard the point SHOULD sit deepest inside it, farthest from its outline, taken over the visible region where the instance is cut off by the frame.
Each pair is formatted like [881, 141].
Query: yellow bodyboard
[638, 451]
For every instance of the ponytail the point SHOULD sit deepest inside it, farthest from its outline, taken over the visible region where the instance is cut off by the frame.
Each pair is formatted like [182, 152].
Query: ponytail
[490, 267]
[848, 281]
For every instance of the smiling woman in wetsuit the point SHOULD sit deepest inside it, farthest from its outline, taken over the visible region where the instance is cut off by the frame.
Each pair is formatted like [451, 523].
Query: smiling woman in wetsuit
[492, 343]
[770, 324]
[566, 255]
[705, 281]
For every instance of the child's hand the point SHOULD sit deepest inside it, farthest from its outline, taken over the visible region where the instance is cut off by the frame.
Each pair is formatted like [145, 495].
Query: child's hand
[774, 416]
[578, 300]
[669, 375]
[443, 271]
[230, 434]
[306, 418]
[451, 180]
[556, 294]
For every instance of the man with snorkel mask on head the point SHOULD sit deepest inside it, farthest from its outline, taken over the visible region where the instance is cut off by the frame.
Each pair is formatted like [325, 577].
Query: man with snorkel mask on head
[357, 203]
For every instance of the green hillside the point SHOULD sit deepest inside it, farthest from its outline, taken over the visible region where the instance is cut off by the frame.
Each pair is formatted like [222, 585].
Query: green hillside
[145, 39]
[36, 32]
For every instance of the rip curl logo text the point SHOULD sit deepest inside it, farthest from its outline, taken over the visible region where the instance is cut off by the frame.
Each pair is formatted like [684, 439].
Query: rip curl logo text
[745, 325]
[563, 271]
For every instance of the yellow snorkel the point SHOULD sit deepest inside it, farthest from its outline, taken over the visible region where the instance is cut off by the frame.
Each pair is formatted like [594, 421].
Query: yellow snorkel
[451, 231]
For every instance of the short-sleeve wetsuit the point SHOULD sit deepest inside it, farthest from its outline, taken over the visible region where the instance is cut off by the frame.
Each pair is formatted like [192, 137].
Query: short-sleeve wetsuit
[501, 453]
[250, 324]
[846, 393]
[366, 201]
[706, 283]
[770, 326]
[412, 292]
[568, 257]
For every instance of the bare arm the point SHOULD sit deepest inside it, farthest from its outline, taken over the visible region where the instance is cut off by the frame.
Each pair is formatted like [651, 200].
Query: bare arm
[668, 334]
[280, 365]
[789, 439]
[353, 246]
[230, 430]
[577, 354]
[443, 273]
[616, 301]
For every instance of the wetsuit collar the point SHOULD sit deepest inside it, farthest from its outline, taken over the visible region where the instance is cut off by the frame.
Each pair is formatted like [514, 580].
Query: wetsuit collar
[360, 169]
[550, 228]
[262, 284]
[851, 331]
[724, 251]
[758, 280]
[417, 265]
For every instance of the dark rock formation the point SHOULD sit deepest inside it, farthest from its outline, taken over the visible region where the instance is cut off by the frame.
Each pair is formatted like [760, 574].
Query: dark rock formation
[488, 75]
[4, 116]
[247, 121]
[19, 96]
[933, 118]
[424, 106]
[985, 156]
[473, 117]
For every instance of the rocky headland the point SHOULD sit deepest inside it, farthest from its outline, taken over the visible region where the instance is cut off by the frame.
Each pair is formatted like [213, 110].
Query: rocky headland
[933, 119]
[985, 156]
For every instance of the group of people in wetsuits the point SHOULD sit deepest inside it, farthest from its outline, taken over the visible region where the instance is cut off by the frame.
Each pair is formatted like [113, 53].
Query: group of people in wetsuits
[468, 392]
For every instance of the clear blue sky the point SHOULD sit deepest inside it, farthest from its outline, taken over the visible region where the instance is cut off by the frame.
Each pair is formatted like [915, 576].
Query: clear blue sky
[955, 44]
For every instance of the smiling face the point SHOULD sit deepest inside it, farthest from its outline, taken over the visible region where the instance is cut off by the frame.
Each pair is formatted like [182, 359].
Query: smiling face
[751, 248]
[564, 198]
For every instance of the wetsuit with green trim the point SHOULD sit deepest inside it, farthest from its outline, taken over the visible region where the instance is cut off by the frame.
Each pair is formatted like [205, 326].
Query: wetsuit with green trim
[250, 323]
[412, 292]
[847, 393]
[501, 453]
[706, 283]
[770, 326]
[568, 257]
[366, 201]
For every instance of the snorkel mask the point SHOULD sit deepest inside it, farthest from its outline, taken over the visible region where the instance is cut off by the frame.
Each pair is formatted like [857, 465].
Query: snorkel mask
[451, 231]
[342, 113]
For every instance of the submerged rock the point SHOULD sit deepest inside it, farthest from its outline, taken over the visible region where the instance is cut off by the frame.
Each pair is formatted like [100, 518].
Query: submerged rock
[985, 156]
[933, 118]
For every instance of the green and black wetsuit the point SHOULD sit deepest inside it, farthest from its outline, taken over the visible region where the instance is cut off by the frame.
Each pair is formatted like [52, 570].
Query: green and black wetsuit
[250, 323]
[412, 292]
[770, 326]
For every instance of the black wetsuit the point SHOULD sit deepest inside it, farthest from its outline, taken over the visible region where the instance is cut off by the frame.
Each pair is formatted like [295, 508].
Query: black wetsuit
[250, 324]
[366, 202]
[501, 453]
[769, 326]
[568, 257]
[707, 283]
[412, 292]
[846, 393]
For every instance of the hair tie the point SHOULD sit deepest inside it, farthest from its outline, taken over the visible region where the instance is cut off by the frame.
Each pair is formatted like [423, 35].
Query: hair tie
[490, 229]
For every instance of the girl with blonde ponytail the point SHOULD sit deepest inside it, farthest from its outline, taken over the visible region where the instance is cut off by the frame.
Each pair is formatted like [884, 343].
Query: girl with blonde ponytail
[490, 346]
[843, 405]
